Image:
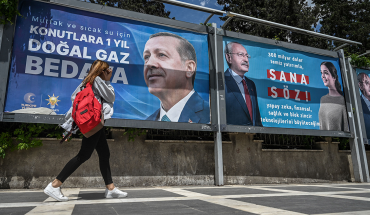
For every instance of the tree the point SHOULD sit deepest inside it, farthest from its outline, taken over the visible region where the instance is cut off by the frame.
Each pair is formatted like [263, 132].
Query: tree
[141, 6]
[346, 19]
[8, 10]
[339, 18]
[295, 13]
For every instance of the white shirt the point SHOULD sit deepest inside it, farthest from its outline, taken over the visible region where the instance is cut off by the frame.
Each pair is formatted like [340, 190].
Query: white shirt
[174, 113]
[238, 80]
[367, 102]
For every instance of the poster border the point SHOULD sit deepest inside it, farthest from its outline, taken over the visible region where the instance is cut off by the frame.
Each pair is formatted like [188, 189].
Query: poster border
[215, 76]
[359, 105]
[7, 32]
[116, 12]
[275, 130]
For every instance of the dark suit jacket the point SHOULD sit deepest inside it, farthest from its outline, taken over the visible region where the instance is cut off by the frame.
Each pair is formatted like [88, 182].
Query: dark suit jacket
[366, 112]
[195, 110]
[236, 110]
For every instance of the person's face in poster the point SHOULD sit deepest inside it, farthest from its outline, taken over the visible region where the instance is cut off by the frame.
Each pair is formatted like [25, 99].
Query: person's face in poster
[365, 86]
[238, 59]
[164, 70]
[327, 78]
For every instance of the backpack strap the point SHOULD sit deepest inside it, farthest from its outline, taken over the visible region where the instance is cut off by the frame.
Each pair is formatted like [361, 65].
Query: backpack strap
[82, 87]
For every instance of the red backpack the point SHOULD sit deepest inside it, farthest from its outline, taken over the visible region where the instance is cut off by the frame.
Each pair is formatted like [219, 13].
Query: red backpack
[86, 113]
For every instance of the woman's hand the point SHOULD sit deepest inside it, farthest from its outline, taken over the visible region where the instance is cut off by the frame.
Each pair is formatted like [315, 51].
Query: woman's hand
[107, 74]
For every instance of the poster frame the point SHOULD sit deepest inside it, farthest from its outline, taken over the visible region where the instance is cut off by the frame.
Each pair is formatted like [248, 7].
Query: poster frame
[6, 50]
[218, 77]
[357, 144]
[353, 70]
[273, 130]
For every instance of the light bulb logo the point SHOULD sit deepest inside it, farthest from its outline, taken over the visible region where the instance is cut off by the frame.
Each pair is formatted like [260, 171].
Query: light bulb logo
[53, 101]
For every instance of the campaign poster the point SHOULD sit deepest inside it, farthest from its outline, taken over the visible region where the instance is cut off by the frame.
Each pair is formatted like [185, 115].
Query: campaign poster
[363, 81]
[271, 86]
[153, 66]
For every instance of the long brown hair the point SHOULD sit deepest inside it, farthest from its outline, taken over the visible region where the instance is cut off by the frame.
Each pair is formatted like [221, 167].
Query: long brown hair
[96, 69]
[333, 72]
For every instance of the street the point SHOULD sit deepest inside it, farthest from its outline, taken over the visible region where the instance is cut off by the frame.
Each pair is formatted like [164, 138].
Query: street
[344, 198]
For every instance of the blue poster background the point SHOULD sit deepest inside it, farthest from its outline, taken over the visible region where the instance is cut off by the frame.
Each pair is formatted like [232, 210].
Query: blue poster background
[133, 101]
[265, 57]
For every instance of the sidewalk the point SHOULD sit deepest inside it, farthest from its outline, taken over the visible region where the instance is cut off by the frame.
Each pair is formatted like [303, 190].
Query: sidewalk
[346, 198]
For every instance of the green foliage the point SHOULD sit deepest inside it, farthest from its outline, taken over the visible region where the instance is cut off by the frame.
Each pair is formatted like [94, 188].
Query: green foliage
[26, 135]
[277, 38]
[304, 141]
[141, 6]
[134, 132]
[345, 19]
[295, 13]
[8, 10]
[5, 142]
[343, 143]
[361, 62]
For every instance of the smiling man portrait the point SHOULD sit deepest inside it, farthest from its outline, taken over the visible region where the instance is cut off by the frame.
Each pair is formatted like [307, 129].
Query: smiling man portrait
[170, 65]
[240, 92]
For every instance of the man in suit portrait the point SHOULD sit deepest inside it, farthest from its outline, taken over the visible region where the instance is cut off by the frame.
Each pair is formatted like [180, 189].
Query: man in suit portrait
[364, 85]
[169, 72]
[241, 95]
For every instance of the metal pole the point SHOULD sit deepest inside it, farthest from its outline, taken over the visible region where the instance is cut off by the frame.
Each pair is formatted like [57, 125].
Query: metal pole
[226, 22]
[219, 174]
[208, 18]
[1, 96]
[358, 152]
[341, 46]
[357, 167]
[256, 20]
[289, 28]
[366, 53]
[193, 6]
[6, 42]
[1, 34]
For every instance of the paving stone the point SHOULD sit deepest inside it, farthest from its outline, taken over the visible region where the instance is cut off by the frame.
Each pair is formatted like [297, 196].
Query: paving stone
[364, 186]
[309, 204]
[229, 191]
[365, 195]
[15, 211]
[310, 188]
[167, 207]
[16, 197]
[93, 195]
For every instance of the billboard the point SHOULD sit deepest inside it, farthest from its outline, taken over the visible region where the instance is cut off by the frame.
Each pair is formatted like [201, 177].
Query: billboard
[271, 86]
[363, 81]
[157, 70]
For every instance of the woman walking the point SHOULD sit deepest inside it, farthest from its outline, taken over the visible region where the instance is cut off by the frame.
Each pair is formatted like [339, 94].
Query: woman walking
[99, 77]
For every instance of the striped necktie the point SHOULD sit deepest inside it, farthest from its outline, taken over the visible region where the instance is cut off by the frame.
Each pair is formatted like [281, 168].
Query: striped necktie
[165, 119]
